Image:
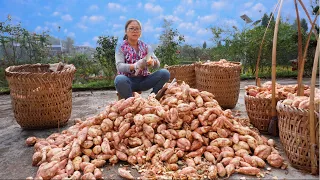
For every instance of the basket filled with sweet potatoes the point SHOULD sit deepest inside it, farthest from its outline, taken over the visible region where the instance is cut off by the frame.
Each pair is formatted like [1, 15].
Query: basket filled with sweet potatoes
[294, 129]
[258, 102]
[222, 79]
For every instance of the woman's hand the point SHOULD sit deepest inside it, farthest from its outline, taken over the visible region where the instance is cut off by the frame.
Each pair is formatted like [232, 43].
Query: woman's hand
[141, 64]
[150, 62]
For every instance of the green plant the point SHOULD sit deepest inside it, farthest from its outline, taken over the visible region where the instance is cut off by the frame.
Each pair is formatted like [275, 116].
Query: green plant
[168, 50]
[106, 54]
[85, 67]
[96, 84]
[19, 46]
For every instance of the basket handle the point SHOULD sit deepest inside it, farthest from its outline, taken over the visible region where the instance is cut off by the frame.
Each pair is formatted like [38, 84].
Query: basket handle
[301, 59]
[314, 167]
[274, 121]
[258, 83]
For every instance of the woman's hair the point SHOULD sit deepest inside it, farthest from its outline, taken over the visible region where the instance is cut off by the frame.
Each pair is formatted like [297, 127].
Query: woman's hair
[127, 24]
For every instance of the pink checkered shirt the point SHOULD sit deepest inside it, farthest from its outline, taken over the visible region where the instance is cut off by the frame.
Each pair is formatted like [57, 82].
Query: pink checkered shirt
[131, 56]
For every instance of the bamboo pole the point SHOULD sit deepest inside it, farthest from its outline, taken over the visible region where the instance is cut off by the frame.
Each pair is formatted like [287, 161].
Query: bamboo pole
[308, 40]
[306, 11]
[311, 113]
[273, 126]
[300, 76]
[258, 83]
[300, 71]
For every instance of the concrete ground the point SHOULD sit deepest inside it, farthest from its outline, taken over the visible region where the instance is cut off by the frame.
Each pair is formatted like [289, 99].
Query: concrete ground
[16, 157]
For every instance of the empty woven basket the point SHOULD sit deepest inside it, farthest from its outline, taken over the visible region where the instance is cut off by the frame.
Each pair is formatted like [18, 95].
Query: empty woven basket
[41, 94]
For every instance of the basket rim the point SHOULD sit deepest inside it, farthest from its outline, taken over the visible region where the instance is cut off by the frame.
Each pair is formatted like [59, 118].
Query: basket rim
[260, 98]
[202, 63]
[8, 71]
[178, 65]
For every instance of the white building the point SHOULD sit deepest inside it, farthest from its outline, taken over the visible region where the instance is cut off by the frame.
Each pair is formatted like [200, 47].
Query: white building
[84, 50]
[56, 49]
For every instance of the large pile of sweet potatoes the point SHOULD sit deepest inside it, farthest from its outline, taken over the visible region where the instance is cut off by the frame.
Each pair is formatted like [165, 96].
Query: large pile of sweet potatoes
[184, 135]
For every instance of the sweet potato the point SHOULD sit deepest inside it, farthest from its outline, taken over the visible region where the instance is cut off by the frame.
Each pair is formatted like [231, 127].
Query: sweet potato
[184, 143]
[121, 156]
[222, 133]
[159, 139]
[125, 173]
[190, 162]
[213, 172]
[253, 171]
[148, 131]
[97, 173]
[146, 142]
[275, 160]
[210, 157]
[98, 162]
[132, 160]
[250, 160]
[166, 154]
[173, 159]
[262, 151]
[151, 118]
[230, 168]
[221, 170]
[195, 145]
[30, 141]
[213, 135]
[167, 143]
[172, 167]
[242, 152]
[197, 136]
[188, 170]
[220, 142]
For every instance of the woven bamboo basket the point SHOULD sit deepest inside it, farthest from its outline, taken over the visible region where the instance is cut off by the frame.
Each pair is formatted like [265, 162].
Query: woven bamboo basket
[259, 111]
[222, 82]
[40, 97]
[184, 73]
[294, 135]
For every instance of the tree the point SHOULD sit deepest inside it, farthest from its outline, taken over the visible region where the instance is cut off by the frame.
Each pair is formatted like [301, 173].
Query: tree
[69, 44]
[315, 7]
[106, 54]
[84, 66]
[265, 20]
[190, 54]
[170, 40]
[221, 39]
[303, 24]
[204, 46]
[19, 46]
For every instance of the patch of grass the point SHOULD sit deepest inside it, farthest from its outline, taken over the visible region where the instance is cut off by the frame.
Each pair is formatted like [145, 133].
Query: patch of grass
[4, 90]
[97, 84]
[281, 72]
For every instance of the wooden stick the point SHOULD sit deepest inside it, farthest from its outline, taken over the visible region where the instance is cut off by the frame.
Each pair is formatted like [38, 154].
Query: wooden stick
[312, 124]
[300, 71]
[274, 121]
[260, 50]
[306, 11]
